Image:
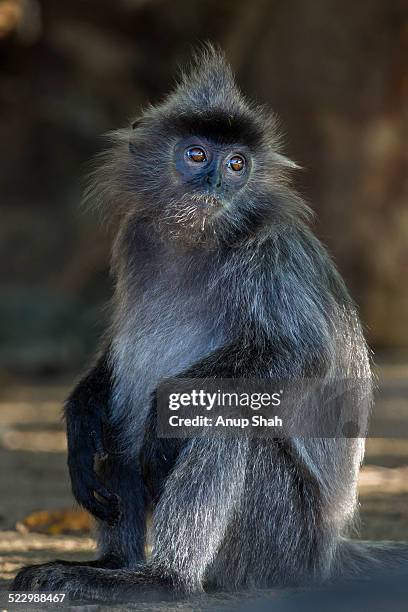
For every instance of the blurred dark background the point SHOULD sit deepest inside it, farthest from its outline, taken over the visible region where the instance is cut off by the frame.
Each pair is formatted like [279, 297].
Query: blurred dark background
[336, 74]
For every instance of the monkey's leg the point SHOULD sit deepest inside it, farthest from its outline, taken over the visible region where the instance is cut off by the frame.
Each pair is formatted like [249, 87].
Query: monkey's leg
[195, 508]
[286, 532]
[189, 524]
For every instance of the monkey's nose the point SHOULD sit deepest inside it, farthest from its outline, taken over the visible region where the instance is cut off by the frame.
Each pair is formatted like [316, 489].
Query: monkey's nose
[214, 180]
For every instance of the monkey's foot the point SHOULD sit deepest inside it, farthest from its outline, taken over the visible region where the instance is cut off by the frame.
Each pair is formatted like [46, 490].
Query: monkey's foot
[50, 577]
[85, 583]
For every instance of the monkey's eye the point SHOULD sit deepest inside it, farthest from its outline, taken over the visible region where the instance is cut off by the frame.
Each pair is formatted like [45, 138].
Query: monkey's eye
[236, 163]
[196, 154]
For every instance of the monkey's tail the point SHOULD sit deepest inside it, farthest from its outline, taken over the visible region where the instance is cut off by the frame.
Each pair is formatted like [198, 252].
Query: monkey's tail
[365, 559]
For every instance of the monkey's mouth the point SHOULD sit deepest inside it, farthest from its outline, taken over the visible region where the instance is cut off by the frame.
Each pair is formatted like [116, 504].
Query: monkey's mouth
[203, 208]
[192, 217]
[206, 202]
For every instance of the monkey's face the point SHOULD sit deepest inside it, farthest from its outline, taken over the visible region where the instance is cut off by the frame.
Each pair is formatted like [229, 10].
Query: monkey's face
[208, 178]
[205, 179]
[211, 169]
[203, 189]
[195, 184]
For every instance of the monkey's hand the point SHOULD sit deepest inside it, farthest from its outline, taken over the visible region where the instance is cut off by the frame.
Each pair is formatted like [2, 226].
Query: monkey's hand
[85, 445]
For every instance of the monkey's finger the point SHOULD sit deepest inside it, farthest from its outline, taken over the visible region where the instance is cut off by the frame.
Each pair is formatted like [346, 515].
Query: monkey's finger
[110, 514]
[98, 446]
[83, 488]
[99, 509]
[86, 486]
[106, 494]
[107, 508]
[102, 512]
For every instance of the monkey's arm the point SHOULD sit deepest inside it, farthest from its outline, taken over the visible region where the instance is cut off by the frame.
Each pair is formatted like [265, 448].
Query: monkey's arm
[157, 455]
[331, 461]
[240, 359]
[84, 415]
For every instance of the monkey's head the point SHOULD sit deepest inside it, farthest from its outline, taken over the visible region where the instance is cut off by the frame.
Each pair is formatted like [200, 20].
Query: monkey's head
[205, 165]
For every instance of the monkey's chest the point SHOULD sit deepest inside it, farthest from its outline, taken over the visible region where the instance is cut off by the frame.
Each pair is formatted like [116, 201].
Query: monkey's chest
[158, 339]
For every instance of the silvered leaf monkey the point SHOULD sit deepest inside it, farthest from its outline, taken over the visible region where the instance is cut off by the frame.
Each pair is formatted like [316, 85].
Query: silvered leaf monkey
[217, 276]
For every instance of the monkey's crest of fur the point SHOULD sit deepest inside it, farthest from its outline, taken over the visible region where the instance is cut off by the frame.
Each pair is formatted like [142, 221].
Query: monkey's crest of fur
[210, 83]
[209, 90]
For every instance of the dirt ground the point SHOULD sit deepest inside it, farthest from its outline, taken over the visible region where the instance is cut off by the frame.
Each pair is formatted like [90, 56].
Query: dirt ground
[33, 474]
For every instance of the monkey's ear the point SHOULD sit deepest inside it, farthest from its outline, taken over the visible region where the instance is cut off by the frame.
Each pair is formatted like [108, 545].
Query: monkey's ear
[282, 160]
[134, 125]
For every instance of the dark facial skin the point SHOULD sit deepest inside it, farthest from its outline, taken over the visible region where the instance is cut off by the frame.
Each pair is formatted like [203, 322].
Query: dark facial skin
[212, 169]
[199, 190]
